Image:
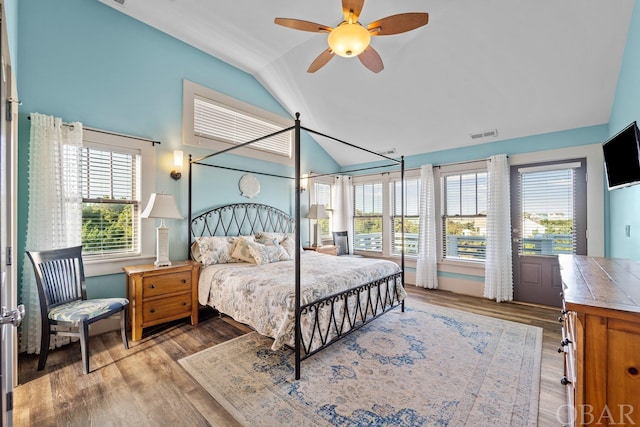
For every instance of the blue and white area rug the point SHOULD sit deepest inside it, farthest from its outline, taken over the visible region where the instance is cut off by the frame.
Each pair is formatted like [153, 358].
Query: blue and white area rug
[428, 366]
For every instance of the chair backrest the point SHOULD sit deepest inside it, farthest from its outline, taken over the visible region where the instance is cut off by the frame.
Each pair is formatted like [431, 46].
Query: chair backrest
[59, 276]
[341, 241]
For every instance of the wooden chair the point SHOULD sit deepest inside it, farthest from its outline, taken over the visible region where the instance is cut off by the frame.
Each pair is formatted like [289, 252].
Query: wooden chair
[63, 300]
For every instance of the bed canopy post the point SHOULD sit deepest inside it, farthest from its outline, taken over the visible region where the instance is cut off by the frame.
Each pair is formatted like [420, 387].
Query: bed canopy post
[296, 134]
[190, 211]
[402, 222]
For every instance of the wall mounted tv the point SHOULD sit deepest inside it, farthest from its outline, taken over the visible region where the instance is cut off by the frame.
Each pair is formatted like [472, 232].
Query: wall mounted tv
[622, 157]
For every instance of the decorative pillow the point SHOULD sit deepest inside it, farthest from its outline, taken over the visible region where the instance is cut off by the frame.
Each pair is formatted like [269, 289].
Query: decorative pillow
[289, 245]
[264, 235]
[241, 249]
[195, 252]
[267, 253]
[214, 249]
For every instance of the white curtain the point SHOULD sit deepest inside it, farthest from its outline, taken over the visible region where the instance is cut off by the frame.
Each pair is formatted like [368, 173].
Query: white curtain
[498, 283]
[427, 265]
[342, 204]
[55, 208]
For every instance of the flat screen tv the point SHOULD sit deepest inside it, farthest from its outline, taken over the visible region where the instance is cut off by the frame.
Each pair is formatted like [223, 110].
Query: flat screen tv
[622, 157]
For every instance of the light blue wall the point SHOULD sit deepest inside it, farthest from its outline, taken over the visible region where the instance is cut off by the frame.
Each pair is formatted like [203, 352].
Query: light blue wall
[624, 204]
[11, 13]
[83, 61]
[529, 144]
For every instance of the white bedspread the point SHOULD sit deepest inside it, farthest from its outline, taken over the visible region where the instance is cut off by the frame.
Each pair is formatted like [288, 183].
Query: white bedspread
[263, 296]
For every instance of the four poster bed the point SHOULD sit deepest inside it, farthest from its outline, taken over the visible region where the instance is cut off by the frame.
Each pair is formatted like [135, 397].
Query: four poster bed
[302, 299]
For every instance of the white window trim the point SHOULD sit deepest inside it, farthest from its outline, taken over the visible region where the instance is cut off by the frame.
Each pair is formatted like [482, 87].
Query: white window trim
[386, 179]
[192, 90]
[327, 179]
[100, 267]
[470, 267]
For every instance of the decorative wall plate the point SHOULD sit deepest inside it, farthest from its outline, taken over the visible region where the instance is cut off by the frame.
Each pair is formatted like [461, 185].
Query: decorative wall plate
[249, 186]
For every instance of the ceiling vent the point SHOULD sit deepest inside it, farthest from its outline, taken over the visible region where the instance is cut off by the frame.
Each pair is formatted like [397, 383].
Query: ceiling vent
[120, 2]
[484, 134]
[387, 152]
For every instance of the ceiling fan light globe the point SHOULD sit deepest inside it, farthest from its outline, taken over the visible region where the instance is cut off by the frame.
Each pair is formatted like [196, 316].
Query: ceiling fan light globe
[349, 40]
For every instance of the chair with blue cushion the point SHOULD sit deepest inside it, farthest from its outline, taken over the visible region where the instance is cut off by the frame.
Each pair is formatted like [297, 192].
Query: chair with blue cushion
[63, 300]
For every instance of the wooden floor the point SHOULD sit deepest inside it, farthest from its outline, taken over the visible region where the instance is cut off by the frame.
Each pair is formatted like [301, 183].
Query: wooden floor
[145, 385]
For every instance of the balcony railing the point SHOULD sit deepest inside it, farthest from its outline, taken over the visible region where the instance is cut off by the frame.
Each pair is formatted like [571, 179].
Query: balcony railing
[470, 247]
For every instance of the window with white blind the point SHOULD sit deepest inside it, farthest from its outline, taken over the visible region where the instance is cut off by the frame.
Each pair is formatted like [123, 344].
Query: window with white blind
[322, 196]
[411, 216]
[117, 178]
[367, 217]
[110, 201]
[217, 121]
[549, 219]
[464, 214]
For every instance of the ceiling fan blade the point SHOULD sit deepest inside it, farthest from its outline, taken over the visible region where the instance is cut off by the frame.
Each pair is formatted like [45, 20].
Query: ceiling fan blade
[349, 6]
[371, 59]
[320, 61]
[299, 24]
[396, 24]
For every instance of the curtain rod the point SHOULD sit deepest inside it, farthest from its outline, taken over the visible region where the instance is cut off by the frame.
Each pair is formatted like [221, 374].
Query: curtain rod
[111, 133]
[463, 162]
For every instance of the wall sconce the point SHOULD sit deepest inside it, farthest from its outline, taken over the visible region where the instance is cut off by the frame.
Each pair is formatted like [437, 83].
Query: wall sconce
[177, 164]
[304, 181]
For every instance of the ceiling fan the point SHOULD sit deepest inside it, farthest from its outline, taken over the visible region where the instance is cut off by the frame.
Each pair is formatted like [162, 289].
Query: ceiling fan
[350, 38]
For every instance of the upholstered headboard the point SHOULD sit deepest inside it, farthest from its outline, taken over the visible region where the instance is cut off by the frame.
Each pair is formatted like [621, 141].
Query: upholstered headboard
[241, 219]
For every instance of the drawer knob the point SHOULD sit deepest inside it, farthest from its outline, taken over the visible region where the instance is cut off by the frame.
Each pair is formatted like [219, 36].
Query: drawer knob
[565, 381]
[633, 370]
[152, 286]
[183, 281]
[153, 310]
[184, 304]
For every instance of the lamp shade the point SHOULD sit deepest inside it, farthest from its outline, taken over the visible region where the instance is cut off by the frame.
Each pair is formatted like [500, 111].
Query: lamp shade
[317, 212]
[161, 206]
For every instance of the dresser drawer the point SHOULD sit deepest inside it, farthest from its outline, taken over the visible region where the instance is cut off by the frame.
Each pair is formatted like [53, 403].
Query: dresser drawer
[166, 283]
[167, 308]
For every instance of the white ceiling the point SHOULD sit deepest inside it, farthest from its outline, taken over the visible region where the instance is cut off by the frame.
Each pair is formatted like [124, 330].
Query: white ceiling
[522, 67]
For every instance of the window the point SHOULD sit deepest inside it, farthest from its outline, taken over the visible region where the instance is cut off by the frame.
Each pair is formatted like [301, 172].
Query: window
[110, 201]
[367, 217]
[216, 121]
[411, 216]
[464, 215]
[117, 178]
[551, 209]
[322, 196]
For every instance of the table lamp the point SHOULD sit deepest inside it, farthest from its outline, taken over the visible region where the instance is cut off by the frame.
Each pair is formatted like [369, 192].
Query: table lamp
[317, 212]
[161, 206]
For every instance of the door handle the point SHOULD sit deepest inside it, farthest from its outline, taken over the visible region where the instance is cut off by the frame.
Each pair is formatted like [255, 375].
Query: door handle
[12, 316]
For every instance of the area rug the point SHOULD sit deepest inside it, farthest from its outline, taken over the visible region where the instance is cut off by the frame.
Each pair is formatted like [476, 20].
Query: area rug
[428, 366]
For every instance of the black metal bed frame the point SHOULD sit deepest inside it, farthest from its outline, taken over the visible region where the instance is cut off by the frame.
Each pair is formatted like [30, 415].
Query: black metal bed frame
[339, 314]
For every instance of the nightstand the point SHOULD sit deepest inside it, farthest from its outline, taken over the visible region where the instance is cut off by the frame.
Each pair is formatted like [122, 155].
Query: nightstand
[324, 249]
[161, 294]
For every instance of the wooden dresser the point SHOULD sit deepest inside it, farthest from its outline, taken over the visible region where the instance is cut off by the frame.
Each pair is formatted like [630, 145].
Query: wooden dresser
[601, 340]
[161, 294]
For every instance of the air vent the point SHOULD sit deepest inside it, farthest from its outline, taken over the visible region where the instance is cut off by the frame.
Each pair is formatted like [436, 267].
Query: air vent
[484, 134]
[121, 2]
[387, 152]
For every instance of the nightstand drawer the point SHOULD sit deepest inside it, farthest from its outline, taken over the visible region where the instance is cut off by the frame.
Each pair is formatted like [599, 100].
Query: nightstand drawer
[166, 284]
[166, 308]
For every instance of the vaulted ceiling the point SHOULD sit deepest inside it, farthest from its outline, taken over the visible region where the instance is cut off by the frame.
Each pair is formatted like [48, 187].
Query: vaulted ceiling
[522, 67]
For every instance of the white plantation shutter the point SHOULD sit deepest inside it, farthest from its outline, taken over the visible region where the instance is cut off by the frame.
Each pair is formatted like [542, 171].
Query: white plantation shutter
[411, 216]
[367, 218]
[111, 201]
[222, 123]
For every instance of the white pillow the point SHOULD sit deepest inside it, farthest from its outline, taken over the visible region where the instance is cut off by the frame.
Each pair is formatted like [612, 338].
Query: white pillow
[214, 249]
[267, 253]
